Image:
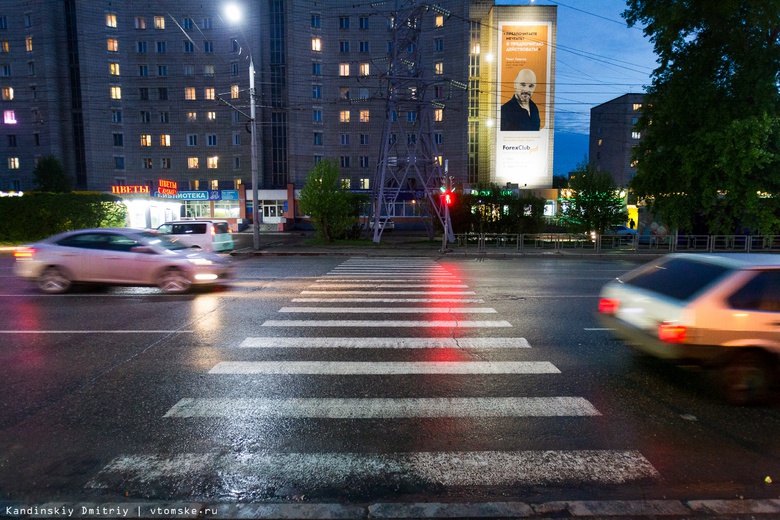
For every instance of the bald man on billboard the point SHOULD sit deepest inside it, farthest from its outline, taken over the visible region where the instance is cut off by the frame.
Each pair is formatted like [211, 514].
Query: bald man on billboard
[520, 113]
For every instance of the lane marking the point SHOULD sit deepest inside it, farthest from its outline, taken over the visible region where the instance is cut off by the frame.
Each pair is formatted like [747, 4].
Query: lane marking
[383, 368]
[411, 343]
[391, 310]
[451, 293]
[388, 300]
[380, 283]
[96, 331]
[597, 328]
[382, 408]
[383, 323]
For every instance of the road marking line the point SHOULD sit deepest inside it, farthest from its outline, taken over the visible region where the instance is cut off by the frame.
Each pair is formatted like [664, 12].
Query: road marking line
[388, 300]
[382, 408]
[383, 323]
[596, 328]
[317, 471]
[96, 331]
[391, 310]
[451, 293]
[382, 284]
[411, 343]
[383, 368]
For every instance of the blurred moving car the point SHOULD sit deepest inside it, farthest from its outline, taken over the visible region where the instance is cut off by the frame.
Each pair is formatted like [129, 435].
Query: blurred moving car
[621, 231]
[208, 235]
[714, 310]
[117, 256]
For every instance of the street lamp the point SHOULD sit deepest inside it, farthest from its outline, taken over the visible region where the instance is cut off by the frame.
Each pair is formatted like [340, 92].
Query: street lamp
[233, 14]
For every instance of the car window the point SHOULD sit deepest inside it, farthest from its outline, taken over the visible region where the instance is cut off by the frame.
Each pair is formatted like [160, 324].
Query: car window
[84, 241]
[677, 278]
[165, 228]
[120, 243]
[221, 227]
[761, 293]
[189, 228]
[161, 241]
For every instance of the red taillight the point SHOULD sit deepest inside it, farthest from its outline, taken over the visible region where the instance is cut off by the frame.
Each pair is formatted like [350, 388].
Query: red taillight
[672, 332]
[608, 305]
[24, 252]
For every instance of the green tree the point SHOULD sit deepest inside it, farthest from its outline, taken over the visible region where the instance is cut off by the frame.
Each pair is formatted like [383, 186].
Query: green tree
[710, 154]
[331, 208]
[595, 202]
[49, 175]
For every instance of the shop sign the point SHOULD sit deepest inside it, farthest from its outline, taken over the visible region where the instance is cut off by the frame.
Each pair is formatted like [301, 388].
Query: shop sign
[229, 194]
[193, 195]
[130, 190]
[167, 188]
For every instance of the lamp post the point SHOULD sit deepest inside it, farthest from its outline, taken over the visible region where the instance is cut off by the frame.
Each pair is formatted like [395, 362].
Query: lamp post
[253, 146]
[234, 15]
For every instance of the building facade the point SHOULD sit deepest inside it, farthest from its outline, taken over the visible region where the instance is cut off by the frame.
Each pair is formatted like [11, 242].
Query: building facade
[613, 136]
[131, 93]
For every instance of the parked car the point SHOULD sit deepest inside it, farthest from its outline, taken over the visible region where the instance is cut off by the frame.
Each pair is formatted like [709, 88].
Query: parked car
[208, 235]
[620, 230]
[384, 225]
[117, 256]
[714, 310]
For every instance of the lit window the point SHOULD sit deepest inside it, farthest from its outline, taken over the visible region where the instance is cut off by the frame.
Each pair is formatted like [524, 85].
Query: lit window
[365, 184]
[165, 139]
[365, 69]
[159, 22]
[365, 115]
[343, 69]
[344, 116]
[110, 20]
[438, 114]
[212, 162]
[346, 184]
[146, 140]
[113, 69]
[140, 22]
[116, 92]
[192, 163]
[13, 163]
[28, 44]
[601, 141]
[234, 90]
[112, 44]
[209, 93]
[211, 116]
[316, 44]
[637, 106]
[636, 135]
[8, 93]
[4, 46]
[439, 20]
[634, 163]
[189, 93]
[438, 67]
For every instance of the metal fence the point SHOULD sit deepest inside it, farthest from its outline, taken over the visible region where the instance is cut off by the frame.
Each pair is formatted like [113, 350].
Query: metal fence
[628, 243]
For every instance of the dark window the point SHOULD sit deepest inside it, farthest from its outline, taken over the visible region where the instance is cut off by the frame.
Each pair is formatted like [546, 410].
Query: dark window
[677, 278]
[761, 293]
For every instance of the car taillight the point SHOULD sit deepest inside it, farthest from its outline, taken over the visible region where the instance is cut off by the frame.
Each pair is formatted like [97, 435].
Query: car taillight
[672, 332]
[608, 305]
[24, 252]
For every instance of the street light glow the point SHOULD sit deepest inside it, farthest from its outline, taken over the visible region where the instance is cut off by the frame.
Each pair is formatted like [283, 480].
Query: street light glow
[233, 13]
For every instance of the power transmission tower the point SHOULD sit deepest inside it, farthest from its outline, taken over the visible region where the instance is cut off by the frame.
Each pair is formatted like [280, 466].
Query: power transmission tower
[409, 158]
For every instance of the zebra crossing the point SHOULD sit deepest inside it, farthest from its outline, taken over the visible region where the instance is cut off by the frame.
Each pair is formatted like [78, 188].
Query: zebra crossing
[367, 287]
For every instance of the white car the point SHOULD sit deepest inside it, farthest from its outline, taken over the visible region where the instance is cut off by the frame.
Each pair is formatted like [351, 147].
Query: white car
[713, 310]
[117, 256]
[206, 235]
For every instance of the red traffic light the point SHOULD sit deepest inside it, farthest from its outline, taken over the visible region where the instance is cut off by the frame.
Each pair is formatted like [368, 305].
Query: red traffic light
[448, 198]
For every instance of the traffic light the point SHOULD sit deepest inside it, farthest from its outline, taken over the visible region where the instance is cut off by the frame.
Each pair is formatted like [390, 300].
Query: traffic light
[448, 198]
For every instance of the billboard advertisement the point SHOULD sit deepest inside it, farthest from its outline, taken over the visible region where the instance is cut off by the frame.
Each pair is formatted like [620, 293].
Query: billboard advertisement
[524, 104]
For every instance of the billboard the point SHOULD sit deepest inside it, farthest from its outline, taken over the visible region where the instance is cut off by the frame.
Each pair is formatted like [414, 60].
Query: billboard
[524, 104]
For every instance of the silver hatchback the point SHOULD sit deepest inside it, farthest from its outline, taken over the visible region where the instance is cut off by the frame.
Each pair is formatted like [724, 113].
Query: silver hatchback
[713, 310]
[117, 256]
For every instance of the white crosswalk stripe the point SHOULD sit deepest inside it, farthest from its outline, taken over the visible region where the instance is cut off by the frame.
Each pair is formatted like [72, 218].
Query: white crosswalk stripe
[353, 284]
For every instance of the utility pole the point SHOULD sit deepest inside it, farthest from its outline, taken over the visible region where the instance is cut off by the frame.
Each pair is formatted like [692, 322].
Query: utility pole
[409, 159]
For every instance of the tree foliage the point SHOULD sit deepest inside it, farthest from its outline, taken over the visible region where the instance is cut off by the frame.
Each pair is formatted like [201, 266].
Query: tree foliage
[711, 119]
[333, 211]
[595, 203]
[50, 176]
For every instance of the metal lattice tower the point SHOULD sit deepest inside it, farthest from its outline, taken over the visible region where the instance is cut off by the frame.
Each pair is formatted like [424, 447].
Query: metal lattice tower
[409, 158]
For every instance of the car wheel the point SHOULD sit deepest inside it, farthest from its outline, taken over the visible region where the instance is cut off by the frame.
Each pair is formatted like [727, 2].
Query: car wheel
[747, 378]
[53, 281]
[173, 281]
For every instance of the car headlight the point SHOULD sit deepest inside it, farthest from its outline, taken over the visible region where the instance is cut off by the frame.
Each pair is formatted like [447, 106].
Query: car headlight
[200, 261]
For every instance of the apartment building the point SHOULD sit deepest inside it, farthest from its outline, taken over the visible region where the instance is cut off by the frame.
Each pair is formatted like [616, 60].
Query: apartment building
[613, 135]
